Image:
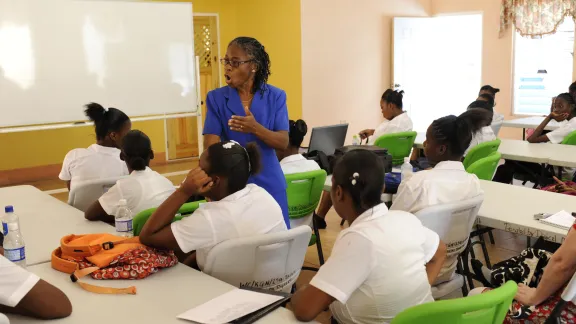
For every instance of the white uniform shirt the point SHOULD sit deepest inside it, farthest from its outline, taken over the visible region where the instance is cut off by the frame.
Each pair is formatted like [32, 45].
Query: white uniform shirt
[485, 134]
[94, 162]
[557, 136]
[297, 163]
[401, 123]
[15, 282]
[250, 211]
[378, 267]
[142, 190]
[497, 118]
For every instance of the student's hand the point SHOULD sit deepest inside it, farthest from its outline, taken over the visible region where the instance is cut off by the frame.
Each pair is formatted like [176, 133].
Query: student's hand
[561, 186]
[197, 182]
[558, 117]
[366, 133]
[243, 124]
[526, 295]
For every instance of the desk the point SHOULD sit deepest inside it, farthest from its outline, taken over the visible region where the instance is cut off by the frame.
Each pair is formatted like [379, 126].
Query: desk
[159, 299]
[530, 122]
[44, 220]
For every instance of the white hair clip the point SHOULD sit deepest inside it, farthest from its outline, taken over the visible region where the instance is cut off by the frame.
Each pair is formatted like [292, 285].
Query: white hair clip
[229, 145]
[354, 177]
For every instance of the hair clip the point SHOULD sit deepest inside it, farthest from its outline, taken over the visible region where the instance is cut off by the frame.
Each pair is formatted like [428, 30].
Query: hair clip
[354, 177]
[229, 144]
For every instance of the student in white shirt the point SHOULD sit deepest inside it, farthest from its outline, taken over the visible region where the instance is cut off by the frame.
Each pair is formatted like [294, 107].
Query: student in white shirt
[564, 110]
[234, 209]
[396, 120]
[291, 161]
[24, 293]
[143, 189]
[480, 120]
[379, 266]
[100, 160]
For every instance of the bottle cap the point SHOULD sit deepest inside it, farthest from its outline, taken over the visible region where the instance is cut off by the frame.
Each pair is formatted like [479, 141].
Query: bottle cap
[122, 202]
[407, 159]
[9, 209]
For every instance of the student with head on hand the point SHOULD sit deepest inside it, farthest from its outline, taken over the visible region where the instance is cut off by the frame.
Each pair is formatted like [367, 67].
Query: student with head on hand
[234, 209]
[379, 266]
[100, 160]
[291, 161]
[396, 120]
[480, 120]
[143, 189]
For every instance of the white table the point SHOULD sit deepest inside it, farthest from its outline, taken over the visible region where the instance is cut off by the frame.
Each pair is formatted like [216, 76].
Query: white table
[159, 299]
[44, 220]
[530, 122]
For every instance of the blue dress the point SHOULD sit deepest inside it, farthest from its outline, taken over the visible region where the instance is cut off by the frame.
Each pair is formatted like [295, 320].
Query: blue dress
[271, 112]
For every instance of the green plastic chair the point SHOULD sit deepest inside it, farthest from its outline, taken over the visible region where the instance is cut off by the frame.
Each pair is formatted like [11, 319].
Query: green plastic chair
[480, 151]
[399, 145]
[142, 217]
[487, 308]
[304, 191]
[570, 139]
[485, 168]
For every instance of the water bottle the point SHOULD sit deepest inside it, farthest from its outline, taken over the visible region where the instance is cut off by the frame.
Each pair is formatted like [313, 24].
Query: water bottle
[406, 169]
[356, 140]
[14, 247]
[124, 220]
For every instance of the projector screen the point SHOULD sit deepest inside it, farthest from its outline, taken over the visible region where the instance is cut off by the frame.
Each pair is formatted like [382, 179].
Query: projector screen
[58, 55]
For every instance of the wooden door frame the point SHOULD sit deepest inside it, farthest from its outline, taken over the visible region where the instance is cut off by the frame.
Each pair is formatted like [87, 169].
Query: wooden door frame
[218, 78]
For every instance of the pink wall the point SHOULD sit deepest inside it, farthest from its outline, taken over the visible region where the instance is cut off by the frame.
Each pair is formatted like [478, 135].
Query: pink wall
[346, 58]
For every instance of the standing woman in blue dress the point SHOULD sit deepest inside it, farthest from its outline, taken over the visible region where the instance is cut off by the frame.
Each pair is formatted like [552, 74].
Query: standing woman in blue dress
[250, 110]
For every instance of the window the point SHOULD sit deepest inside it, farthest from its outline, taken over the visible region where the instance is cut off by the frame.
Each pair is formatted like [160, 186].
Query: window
[542, 69]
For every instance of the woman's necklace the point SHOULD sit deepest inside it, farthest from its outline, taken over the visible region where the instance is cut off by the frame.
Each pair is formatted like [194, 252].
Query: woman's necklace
[246, 103]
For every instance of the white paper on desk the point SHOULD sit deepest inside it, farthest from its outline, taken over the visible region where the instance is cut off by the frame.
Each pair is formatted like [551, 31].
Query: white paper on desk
[561, 219]
[228, 307]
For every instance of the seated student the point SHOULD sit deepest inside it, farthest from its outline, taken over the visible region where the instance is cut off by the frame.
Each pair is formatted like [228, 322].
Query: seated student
[234, 209]
[564, 110]
[291, 161]
[100, 160]
[488, 93]
[24, 293]
[379, 266]
[396, 120]
[143, 189]
[480, 120]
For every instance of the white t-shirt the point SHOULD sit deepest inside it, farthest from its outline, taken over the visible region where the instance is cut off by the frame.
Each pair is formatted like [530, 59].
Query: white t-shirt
[142, 190]
[250, 211]
[94, 162]
[401, 123]
[557, 136]
[378, 267]
[485, 134]
[15, 282]
[297, 163]
[497, 118]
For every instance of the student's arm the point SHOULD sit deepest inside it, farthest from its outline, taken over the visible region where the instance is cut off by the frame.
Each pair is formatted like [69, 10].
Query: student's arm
[43, 301]
[434, 266]
[96, 213]
[558, 272]
[308, 302]
[537, 136]
[210, 139]
[106, 206]
[366, 133]
[157, 231]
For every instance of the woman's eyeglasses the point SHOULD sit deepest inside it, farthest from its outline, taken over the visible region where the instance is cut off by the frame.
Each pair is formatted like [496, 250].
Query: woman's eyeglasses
[233, 63]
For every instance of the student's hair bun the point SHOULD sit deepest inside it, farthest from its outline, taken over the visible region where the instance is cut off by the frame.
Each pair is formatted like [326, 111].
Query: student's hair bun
[137, 149]
[490, 89]
[254, 156]
[395, 97]
[298, 129]
[95, 112]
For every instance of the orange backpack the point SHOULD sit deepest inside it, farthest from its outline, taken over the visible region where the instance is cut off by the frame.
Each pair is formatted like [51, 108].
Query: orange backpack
[106, 256]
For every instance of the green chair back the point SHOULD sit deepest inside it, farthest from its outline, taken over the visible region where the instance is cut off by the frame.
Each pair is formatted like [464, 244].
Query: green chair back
[487, 308]
[399, 145]
[142, 217]
[480, 151]
[485, 168]
[304, 191]
[570, 139]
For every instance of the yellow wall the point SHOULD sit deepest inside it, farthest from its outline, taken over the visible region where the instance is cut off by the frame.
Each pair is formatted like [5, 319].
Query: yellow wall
[276, 23]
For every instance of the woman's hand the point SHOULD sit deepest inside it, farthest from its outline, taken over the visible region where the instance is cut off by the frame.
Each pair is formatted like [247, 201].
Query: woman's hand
[526, 295]
[366, 133]
[197, 182]
[243, 124]
[561, 186]
[558, 117]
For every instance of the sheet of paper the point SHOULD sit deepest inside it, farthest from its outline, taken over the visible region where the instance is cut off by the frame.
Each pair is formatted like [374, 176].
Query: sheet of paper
[228, 307]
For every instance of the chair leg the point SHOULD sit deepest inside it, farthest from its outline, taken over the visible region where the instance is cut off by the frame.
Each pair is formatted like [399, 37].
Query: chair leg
[491, 237]
[466, 269]
[484, 251]
[528, 242]
[461, 271]
[318, 242]
[471, 248]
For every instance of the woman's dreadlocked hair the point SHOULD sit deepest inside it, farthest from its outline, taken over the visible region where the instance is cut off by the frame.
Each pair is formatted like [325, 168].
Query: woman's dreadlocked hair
[256, 52]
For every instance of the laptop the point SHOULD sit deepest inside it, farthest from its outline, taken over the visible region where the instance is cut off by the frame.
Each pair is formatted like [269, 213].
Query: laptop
[328, 138]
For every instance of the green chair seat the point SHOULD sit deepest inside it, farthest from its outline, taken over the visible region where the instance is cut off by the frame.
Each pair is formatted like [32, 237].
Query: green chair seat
[399, 145]
[487, 308]
[480, 151]
[186, 210]
[570, 139]
[485, 168]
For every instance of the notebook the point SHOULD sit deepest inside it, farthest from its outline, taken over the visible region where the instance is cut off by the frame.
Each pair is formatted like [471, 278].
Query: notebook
[561, 219]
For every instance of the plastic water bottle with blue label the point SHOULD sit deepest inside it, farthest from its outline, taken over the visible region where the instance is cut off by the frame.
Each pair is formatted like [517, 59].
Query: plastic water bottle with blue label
[406, 169]
[14, 246]
[124, 220]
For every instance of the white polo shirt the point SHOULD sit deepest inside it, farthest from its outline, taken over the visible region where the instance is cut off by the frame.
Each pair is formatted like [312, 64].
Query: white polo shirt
[378, 267]
[250, 211]
[94, 162]
[401, 123]
[557, 136]
[485, 134]
[142, 190]
[15, 282]
[297, 163]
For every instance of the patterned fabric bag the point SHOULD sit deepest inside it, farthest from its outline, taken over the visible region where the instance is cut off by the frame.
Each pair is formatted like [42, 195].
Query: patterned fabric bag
[106, 256]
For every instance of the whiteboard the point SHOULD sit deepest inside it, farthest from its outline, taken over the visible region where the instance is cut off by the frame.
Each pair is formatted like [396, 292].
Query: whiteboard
[58, 55]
